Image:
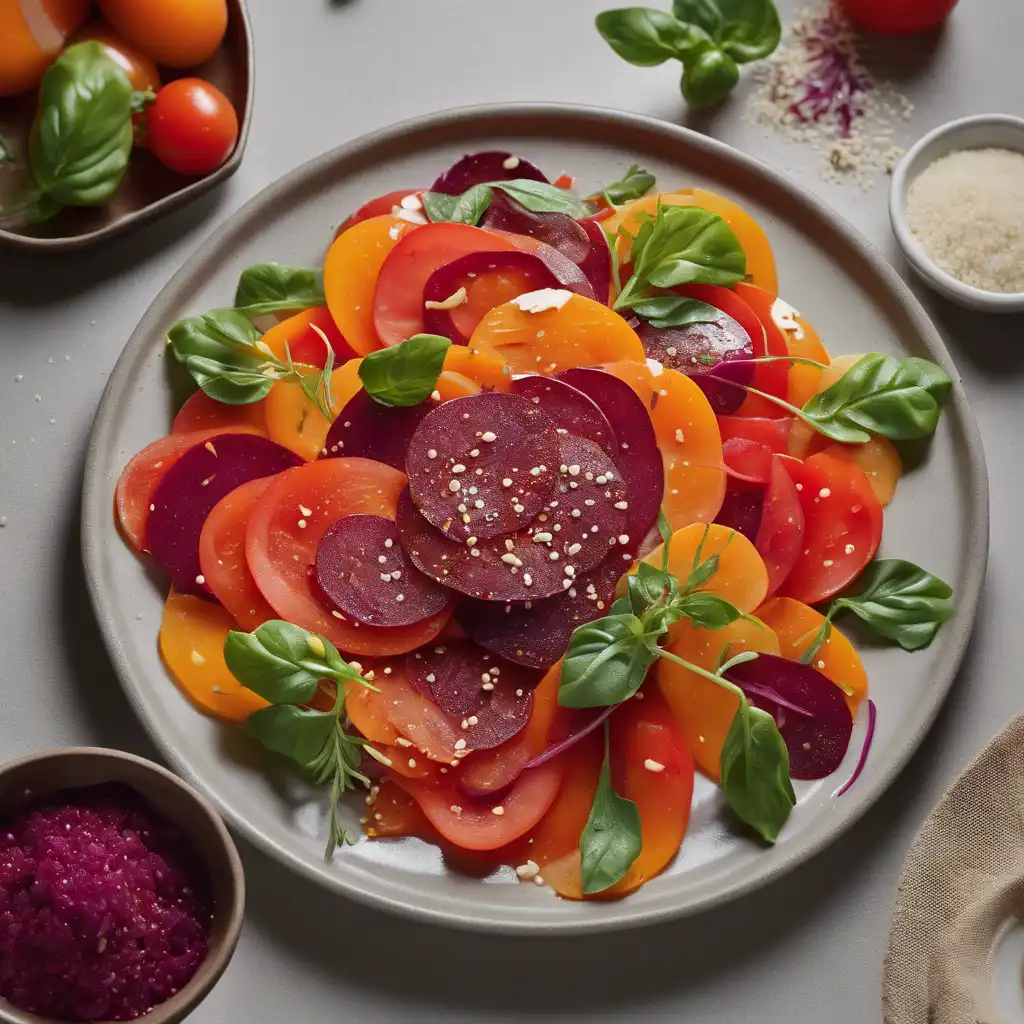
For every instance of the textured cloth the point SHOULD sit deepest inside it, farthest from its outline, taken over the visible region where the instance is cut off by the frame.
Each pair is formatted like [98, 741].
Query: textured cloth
[962, 884]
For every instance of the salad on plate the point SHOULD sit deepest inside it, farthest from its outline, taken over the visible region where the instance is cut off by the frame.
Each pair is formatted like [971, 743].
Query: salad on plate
[525, 507]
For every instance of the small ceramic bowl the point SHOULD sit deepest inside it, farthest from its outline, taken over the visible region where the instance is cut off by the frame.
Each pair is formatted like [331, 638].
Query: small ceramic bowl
[983, 131]
[40, 775]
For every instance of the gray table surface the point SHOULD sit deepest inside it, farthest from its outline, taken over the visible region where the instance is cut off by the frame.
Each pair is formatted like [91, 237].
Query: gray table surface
[807, 948]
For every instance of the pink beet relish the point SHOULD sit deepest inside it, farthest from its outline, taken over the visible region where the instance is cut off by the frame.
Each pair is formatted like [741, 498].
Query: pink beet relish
[103, 914]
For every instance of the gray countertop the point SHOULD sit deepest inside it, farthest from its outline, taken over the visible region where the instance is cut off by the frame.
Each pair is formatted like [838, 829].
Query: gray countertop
[807, 948]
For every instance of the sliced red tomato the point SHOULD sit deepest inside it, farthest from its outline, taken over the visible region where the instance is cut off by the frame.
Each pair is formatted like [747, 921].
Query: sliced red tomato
[780, 537]
[379, 207]
[395, 813]
[282, 538]
[222, 556]
[201, 412]
[487, 824]
[842, 526]
[772, 378]
[772, 433]
[747, 460]
[297, 336]
[398, 299]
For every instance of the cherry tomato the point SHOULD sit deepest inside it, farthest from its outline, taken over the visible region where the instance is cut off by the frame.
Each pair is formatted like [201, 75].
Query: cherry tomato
[178, 33]
[379, 207]
[897, 17]
[842, 526]
[191, 127]
[139, 68]
[32, 34]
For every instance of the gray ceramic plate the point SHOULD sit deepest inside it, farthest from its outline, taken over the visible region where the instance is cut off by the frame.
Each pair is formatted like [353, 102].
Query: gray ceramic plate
[827, 271]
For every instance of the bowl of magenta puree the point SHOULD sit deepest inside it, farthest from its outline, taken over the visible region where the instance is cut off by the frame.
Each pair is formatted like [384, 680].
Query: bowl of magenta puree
[121, 892]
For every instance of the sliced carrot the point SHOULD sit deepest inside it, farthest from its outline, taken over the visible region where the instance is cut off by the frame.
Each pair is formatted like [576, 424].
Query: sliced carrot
[294, 420]
[796, 625]
[582, 333]
[350, 276]
[201, 412]
[689, 438]
[880, 460]
[191, 642]
[804, 381]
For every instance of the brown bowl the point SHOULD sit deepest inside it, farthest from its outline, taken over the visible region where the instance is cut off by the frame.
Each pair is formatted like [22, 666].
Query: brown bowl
[40, 775]
[149, 189]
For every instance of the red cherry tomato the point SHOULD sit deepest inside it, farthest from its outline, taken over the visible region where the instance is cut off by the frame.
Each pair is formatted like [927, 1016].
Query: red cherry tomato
[379, 207]
[191, 126]
[897, 17]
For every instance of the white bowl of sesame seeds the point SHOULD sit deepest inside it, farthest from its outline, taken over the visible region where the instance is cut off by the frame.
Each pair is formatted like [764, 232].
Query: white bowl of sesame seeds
[956, 203]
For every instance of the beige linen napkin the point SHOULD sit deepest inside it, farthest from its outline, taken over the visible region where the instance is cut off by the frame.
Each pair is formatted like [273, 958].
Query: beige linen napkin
[963, 882]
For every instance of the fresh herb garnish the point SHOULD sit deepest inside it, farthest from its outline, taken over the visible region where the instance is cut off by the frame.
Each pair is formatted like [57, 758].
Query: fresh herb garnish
[634, 184]
[470, 206]
[682, 245]
[274, 287]
[467, 208]
[284, 664]
[405, 374]
[676, 311]
[747, 30]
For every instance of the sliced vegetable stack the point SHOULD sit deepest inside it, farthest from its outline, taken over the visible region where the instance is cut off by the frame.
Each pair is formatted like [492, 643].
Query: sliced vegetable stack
[517, 514]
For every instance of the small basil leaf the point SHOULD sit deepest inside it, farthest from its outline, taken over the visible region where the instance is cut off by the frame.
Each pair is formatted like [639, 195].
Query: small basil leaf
[298, 733]
[755, 772]
[273, 287]
[467, 208]
[708, 77]
[750, 29]
[405, 374]
[611, 839]
[540, 197]
[283, 662]
[707, 610]
[676, 311]
[652, 583]
[634, 184]
[81, 138]
[900, 601]
[226, 384]
[605, 663]
[646, 37]
[621, 606]
[665, 529]
[700, 574]
[703, 13]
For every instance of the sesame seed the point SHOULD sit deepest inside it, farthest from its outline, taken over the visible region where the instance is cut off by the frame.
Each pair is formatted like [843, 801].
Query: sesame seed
[399, 597]
[569, 571]
[460, 744]
[499, 810]
[507, 482]
[828, 562]
[824, 492]
[200, 579]
[412, 762]
[541, 538]
[654, 766]
[302, 524]
[488, 435]
[454, 486]
[623, 537]
[821, 664]
[487, 686]
[389, 543]
[305, 511]
[849, 549]
[528, 870]
[403, 742]
[456, 809]
[432, 454]
[197, 658]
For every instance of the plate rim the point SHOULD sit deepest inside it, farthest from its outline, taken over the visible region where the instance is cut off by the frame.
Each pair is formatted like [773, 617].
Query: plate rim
[96, 502]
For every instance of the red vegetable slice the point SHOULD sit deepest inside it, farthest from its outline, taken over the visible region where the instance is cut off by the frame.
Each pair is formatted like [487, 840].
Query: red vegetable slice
[192, 486]
[597, 264]
[742, 508]
[638, 457]
[809, 710]
[379, 207]
[772, 433]
[746, 460]
[463, 452]
[480, 168]
[780, 536]
[365, 429]
[862, 760]
[362, 568]
[770, 377]
[558, 230]
[569, 408]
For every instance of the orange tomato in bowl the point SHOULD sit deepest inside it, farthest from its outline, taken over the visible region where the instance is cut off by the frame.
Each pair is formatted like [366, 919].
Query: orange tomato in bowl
[178, 33]
[32, 34]
[139, 68]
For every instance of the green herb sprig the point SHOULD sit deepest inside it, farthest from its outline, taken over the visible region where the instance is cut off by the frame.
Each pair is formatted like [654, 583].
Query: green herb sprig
[406, 374]
[633, 185]
[276, 287]
[470, 206]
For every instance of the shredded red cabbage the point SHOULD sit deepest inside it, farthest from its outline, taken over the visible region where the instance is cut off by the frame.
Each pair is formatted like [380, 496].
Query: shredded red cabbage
[862, 760]
[572, 739]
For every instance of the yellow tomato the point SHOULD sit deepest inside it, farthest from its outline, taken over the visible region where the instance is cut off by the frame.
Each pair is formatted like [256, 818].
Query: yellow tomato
[178, 33]
[32, 34]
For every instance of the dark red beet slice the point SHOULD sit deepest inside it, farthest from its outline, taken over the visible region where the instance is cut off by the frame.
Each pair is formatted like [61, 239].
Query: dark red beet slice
[597, 264]
[479, 168]
[363, 570]
[538, 633]
[742, 508]
[809, 710]
[570, 409]
[463, 452]
[558, 230]
[701, 349]
[638, 456]
[366, 429]
[545, 269]
[192, 486]
[492, 696]
[578, 527]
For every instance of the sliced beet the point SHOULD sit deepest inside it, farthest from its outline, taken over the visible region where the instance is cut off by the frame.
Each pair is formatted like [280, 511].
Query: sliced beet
[809, 709]
[742, 508]
[597, 264]
[487, 165]
[701, 349]
[192, 486]
[537, 634]
[546, 268]
[463, 452]
[363, 569]
[638, 455]
[570, 409]
[558, 230]
[493, 696]
[366, 429]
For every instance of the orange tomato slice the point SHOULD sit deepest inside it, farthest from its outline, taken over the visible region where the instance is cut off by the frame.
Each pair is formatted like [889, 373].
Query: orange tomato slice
[297, 336]
[801, 340]
[201, 412]
[464, 367]
[880, 460]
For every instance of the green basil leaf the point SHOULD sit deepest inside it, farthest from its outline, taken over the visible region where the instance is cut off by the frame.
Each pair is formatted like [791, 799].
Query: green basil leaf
[707, 610]
[900, 601]
[646, 37]
[467, 208]
[605, 663]
[700, 574]
[750, 29]
[755, 772]
[709, 75]
[652, 583]
[226, 384]
[540, 197]
[621, 606]
[665, 529]
[676, 311]
[81, 137]
[298, 733]
[611, 839]
[703, 13]
[405, 374]
[634, 184]
[283, 662]
[274, 287]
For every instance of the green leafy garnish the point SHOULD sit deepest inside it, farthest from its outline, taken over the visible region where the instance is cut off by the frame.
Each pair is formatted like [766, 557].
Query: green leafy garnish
[536, 196]
[634, 184]
[647, 37]
[284, 664]
[747, 30]
[274, 287]
[682, 245]
[676, 311]
[405, 374]
[467, 208]
[611, 839]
